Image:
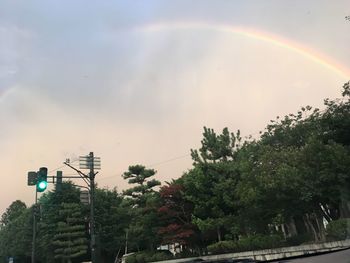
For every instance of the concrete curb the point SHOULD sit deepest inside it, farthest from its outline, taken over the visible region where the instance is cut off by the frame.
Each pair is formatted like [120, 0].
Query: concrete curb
[274, 254]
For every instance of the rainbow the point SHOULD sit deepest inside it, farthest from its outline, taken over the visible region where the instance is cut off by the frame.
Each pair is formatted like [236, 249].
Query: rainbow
[303, 50]
[275, 40]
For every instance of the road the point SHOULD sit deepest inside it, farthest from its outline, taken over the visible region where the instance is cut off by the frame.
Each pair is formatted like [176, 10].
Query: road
[334, 257]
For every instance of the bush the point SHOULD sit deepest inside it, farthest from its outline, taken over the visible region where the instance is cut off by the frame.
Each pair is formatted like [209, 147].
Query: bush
[148, 256]
[255, 242]
[187, 254]
[222, 247]
[338, 229]
[260, 242]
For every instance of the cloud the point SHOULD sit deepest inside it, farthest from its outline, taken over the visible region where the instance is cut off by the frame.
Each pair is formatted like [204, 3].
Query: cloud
[83, 79]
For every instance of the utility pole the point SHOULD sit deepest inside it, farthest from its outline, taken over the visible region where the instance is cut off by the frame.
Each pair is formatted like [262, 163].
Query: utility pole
[92, 163]
[92, 215]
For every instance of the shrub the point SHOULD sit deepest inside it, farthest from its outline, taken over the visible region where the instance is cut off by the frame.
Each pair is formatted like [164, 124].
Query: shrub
[255, 242]
[148, 256]
[338, 229]
[222, 247]
[187, 254]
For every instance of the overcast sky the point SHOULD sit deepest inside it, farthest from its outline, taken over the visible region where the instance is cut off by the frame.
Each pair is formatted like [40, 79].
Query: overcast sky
[136, 81]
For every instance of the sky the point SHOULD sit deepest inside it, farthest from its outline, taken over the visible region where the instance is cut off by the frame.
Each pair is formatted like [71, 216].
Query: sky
[136, 81]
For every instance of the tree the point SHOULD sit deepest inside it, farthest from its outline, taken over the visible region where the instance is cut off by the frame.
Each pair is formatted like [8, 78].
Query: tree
[139, 175]
[210, 184]
[70, 238]
[12, 212]
[16, 232]
[300, 160]
[111, 219]
[50, 203]
[216, 148]
[143, 200]
[176, 217]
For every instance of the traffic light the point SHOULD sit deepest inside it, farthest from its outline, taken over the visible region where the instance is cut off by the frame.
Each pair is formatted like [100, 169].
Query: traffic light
[32, 178]
[41, 184]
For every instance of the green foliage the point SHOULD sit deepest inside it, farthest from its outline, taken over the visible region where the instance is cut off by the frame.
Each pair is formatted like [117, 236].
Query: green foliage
[12, 212]
[51, 202]
[140, 176]
[111, 218]
[16, 234]
[255, 242]
[143, 201]
[298, 239]
[70, 239]
[209, 185]
[216, 148]
[338, 229]
[149, 256]
[223, 247]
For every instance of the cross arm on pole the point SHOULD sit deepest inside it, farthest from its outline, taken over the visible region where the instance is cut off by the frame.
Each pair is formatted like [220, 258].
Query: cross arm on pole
[81, 174]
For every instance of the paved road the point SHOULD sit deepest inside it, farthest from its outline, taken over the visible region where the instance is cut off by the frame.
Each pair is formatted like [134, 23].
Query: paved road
[334, 257]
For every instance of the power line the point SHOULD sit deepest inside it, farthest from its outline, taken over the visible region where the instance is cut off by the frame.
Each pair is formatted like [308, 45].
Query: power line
[54, 170]
[151, 165]
[186, 155]
[169, 160]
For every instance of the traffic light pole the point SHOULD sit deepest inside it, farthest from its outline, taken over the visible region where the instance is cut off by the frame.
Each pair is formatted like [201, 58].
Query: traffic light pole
[34, 226]
[40, 179]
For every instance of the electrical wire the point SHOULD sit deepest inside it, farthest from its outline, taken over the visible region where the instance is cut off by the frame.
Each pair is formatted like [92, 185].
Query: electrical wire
[181, 156]
[150, 165]
[54, 170]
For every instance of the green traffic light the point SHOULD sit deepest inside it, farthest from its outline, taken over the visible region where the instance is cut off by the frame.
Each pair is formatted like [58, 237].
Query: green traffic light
[41, 179]
[42, 185]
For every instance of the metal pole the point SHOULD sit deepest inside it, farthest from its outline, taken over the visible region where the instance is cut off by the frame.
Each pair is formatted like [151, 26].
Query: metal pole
[34, 225]
[92, 218]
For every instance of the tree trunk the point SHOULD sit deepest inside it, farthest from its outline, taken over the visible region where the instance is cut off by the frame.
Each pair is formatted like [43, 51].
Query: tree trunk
[300, 224]
[291, 227]
[320, 226]
[344, 209]
[219, 233]
[312, 227]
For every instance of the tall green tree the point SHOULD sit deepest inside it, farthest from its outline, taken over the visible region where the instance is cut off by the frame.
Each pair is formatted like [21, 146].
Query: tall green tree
[111, 218]
[143, 200]
[209, 185]
[16, 232]
[51, 203]
[15, 209]
[70, 238]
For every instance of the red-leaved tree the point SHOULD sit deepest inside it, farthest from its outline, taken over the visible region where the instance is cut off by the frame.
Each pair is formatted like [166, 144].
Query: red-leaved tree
[176, 213]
